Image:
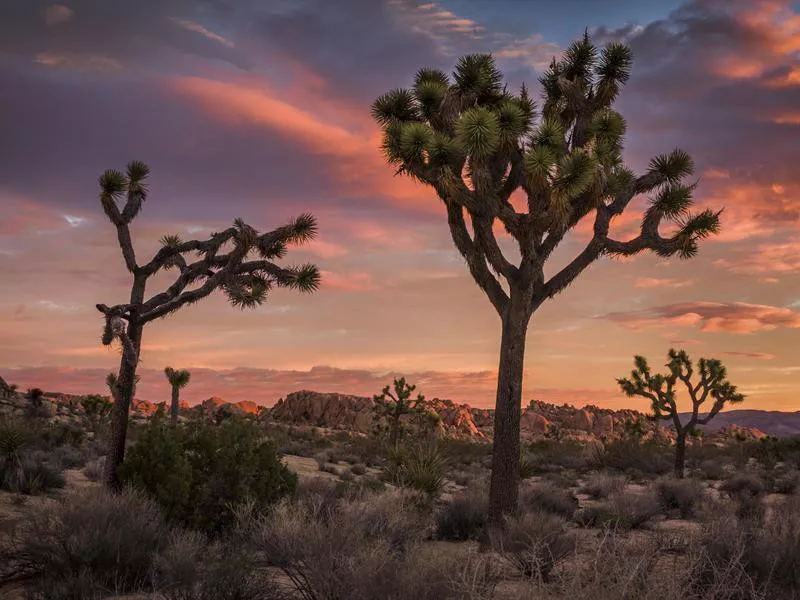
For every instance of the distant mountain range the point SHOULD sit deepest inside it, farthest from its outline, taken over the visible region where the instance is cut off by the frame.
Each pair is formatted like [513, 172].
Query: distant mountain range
[771, 422]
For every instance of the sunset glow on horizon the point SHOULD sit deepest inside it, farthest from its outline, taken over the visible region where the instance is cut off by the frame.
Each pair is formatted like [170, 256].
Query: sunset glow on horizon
[262, 111]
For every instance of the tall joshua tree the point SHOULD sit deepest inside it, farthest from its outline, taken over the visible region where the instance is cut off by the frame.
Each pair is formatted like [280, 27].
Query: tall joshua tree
[661, 389]
[178, 379]
[476, 144]
[238, 261]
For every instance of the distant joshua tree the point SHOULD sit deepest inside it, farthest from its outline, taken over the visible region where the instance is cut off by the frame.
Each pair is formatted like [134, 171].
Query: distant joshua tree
[479, 146]
[391, 409]
[660, 390]
[178, 379]
[224, 262]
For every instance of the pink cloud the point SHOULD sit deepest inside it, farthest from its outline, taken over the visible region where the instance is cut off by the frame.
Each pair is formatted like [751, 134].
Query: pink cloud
[771, 258]
[654, 282]
[736, 317]
[347, 282]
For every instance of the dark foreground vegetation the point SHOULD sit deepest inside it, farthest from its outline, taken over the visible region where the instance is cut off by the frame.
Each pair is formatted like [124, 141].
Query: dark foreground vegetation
[212, 511]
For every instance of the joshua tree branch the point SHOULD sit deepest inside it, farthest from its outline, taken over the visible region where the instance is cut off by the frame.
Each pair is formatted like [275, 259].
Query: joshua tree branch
[487, 243]
[475, 259]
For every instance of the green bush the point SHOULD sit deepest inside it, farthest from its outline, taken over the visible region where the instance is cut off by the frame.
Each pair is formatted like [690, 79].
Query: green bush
[199, 474]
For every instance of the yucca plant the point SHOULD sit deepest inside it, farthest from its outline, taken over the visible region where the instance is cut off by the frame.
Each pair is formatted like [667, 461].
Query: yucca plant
[178, 379]
[239, 260]
[476, 144]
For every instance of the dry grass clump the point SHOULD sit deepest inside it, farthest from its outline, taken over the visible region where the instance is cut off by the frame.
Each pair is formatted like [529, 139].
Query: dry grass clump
[621, 568]
[364, 549]
[463, 517]
[533, 543]
[602, 485]
[622, 510]
[550, 498]
[682, 494]
[90, 543]
[756, 557]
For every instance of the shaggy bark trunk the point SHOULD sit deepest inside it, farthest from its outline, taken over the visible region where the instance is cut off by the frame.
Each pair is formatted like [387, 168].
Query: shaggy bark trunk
[119, 412]
[174, 407]
[504, 482]
[680, 454]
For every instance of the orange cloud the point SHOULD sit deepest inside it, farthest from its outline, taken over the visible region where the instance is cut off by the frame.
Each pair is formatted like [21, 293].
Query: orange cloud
[736, 317]
[779, 257]
[653, 282]
[354, 149]
[755, 355]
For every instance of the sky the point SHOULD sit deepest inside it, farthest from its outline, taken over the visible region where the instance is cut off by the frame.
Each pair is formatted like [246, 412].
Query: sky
[261, 110]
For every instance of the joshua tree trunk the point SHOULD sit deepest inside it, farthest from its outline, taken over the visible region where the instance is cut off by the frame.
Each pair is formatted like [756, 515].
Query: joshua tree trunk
[122, 402]
[506, 448]
[680, 454]
[174, 407]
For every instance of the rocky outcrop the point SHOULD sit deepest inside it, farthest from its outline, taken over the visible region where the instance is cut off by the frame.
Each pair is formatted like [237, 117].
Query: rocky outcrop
[354, 413]
[532, 423]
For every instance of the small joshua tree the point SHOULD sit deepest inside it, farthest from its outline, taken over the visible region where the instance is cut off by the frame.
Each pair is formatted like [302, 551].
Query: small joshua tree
[480, 146]
[238, 261]
[178, 379]
[391, 409]
[661, 390]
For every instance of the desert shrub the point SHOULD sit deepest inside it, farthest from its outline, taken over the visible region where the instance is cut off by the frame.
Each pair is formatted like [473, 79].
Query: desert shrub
[786, 482]
[463, 517]
[549, 498]
[621, 511]
[94, 468]
[346, 475]
[419, 466]
[712, 469]
[551, 455]
[681, 494]
[528, 466]
[621, 568]
[630, 456]
[602, 485]
[35, 473]
[70, 457]
[739, 484]
[766, 554]
[465, 452]
[361, 550]
[563, 479]
[90, 543]
[358, 469]
[199, 474]
[189, 568]
[14, 437]
[53, 435]
[533, 543]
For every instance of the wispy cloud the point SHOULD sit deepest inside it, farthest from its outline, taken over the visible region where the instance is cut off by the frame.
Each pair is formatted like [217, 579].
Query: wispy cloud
[736, 317]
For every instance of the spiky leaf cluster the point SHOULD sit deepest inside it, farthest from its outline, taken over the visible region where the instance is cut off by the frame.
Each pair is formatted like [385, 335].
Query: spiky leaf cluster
[476, 143]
